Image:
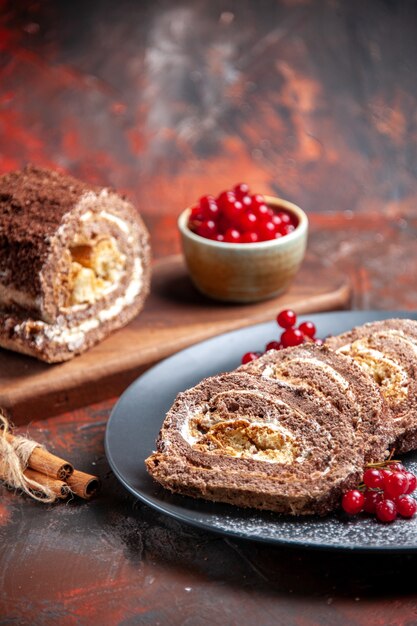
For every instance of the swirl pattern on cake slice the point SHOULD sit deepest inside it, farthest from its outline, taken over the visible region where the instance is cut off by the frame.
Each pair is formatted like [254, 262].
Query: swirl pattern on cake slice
[387, 351]
[235, 438]
[339, 381]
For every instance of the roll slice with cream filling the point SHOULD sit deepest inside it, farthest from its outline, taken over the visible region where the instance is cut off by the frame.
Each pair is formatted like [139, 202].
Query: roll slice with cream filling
[387, 351]
[74, 263]
[237, 439]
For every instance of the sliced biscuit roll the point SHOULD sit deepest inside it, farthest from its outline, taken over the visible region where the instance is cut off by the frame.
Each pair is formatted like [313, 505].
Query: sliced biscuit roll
[74, 264]
[339, 381]
[236, 439]
[387, 351]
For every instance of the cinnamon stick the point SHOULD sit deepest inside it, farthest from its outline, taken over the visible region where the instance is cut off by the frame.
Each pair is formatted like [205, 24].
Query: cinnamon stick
[45, 462]
[58, 487]
[83, 485]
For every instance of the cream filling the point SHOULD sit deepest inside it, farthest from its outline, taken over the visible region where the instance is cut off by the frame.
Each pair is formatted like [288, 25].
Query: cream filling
[242, 438]
[210, 417]
[97, 268]
[116, 220]
[389, 375]
[89, 289]
[273, 373]
[109, 217]
[270, 413]
[73, 337]
[330, 371]
[85, 217]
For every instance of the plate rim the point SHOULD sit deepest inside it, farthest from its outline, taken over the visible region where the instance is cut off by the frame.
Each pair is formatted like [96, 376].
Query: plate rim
[201, 524]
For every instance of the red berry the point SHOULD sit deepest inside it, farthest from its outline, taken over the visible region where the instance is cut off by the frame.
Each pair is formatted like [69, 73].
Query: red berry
[232, 235]
[285, 218]
[196, 213]
[212, 211]
[385, 475]
[219, 237]
[406, 506]
[205, 201]
[242, 189]
[207, 229]
[371, 500]
[397, 467]
[249, 237]
[372, 478]
[353, 502]
[208, 207]
[246, 201]
[395, 485]
[263, 212]
[412, 482]
[233, 211]
[266, 231]
[292, 337]
[250, 356]
[248, 221]
[225, 197]
[308, 329]
[276, 219]
[286, 318]
[195, 219]
[386, 511]
[257, 199]
[286, 229]
[273, 345]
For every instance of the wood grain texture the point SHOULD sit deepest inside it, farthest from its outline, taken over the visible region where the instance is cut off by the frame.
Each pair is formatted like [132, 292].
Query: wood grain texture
[175, 316]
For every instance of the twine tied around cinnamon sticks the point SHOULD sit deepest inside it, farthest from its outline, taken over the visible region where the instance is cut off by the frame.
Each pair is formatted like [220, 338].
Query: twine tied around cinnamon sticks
[28, 466]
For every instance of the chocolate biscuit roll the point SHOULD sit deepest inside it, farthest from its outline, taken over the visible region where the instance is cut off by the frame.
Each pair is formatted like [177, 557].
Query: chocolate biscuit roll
[234, 438]
[387, 351]
[74, 263]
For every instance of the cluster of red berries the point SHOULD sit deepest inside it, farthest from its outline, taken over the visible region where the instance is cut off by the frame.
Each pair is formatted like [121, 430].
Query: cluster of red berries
[291, 336]
[385, 492]
[237, 216]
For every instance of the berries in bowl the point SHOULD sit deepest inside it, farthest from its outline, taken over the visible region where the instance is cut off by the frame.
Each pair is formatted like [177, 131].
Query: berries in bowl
[242, 246]
[237, 216]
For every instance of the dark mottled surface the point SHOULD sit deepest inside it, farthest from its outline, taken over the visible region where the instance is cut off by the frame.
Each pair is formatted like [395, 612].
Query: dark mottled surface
[310, 99]
[115, 561]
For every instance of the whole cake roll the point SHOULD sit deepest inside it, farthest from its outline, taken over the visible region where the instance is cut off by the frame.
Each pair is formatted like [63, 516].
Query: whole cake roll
[387, 351]
[74, 263]
[341, 382]
[237, 439]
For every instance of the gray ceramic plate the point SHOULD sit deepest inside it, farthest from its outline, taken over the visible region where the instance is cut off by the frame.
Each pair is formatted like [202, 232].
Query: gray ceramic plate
[136, 419]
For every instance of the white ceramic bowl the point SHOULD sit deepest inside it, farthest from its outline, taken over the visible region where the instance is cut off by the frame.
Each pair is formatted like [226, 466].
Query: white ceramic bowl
[245, 272]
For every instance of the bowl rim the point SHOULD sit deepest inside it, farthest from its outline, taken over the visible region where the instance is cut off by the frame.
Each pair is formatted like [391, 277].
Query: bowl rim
[273, 201]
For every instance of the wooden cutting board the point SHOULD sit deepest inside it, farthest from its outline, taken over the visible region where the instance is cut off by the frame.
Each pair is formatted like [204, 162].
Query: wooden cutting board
[175, 316]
